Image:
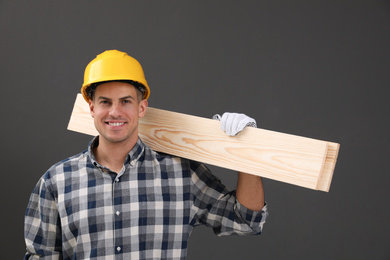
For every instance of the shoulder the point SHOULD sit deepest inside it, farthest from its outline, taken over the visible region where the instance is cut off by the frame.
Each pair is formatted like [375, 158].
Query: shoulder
[160, 157]
[59, 174]
[170, 162]
[70, 164]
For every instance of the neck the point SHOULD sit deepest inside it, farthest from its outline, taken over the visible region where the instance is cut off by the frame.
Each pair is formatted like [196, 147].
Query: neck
[113, 155]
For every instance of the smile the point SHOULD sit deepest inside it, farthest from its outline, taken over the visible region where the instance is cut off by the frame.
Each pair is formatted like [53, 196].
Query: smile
[116, 124]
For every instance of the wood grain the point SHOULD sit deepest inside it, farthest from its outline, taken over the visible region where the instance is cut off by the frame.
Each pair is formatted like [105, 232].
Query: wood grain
[283, 157]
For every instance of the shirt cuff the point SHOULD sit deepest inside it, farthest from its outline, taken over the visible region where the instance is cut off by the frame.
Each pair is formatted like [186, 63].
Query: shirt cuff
[250, 216]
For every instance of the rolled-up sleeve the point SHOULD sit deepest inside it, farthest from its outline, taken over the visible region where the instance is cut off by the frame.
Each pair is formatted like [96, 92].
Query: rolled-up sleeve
[217, 207]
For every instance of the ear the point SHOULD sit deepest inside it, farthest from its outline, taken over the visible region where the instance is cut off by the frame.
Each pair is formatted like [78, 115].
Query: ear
[91, 108]
[143, 105]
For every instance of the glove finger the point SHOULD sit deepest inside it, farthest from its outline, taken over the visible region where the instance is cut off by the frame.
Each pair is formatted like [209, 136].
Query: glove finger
[232, 120]
[243, 123]
[236, 122]
[228, 120]
[223, 121]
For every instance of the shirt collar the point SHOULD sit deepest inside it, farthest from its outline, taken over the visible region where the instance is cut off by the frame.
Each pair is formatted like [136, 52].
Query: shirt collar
[133, 156]
[137, 151]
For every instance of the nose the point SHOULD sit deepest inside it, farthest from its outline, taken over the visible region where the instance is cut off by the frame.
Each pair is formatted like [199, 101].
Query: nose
[115, 111]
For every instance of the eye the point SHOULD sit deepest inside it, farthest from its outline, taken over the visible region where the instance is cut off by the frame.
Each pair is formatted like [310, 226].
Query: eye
[126, 101]
[104, 102]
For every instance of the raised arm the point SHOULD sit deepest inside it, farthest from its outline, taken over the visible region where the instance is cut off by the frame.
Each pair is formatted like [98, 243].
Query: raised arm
[250, 191]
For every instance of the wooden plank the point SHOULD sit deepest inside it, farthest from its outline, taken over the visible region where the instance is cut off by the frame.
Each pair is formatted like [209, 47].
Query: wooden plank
[283, 157]
[330, 163]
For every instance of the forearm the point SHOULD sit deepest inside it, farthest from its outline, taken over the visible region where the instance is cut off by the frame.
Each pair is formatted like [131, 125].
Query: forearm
[250, 191]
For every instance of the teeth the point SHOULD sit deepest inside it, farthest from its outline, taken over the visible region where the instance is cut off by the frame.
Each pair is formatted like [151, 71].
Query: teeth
[115, 124]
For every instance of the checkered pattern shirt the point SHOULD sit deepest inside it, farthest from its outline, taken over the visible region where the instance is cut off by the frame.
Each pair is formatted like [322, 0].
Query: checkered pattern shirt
[81, 210]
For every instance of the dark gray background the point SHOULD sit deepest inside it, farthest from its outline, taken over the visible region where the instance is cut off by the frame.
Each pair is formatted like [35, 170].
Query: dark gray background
[318, 69]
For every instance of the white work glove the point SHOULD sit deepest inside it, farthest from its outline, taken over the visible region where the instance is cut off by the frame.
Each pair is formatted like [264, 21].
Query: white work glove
[233, 123]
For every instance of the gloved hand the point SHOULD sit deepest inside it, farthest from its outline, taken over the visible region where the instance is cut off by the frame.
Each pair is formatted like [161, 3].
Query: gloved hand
[233, 123]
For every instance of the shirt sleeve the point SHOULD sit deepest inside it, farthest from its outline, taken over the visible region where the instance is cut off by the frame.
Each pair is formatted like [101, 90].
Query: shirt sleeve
[42, 231]
[218, 208]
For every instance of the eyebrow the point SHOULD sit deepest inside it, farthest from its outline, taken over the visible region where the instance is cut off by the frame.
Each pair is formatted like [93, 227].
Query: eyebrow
[122, 98]
[126, 97]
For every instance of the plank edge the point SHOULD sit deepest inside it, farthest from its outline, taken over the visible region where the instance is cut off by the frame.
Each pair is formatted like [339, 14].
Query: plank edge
[326, 176]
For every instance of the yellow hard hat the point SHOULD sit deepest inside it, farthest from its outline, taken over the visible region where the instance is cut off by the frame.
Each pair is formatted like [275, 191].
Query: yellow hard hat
[113, 65]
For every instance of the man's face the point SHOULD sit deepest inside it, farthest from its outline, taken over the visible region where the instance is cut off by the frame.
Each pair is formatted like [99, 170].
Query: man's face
[116, 110]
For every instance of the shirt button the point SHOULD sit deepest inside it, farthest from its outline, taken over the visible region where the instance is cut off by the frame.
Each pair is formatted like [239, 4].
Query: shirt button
[132, 163]
[118, 249]
[117, 213]
[116, 180]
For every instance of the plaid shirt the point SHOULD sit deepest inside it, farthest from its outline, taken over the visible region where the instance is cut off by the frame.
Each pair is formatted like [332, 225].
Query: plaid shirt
[81, 210]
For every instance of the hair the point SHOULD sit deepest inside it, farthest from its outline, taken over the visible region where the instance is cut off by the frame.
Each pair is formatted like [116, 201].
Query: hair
[90, 90]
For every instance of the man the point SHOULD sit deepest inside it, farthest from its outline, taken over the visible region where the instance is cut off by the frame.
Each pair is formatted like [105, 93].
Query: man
[121, 200]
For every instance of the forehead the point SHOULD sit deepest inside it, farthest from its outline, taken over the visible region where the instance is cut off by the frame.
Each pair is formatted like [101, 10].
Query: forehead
[115, 89]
